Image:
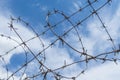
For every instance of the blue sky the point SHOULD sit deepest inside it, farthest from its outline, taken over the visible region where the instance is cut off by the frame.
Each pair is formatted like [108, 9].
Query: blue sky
[36, 10]
[93, 36]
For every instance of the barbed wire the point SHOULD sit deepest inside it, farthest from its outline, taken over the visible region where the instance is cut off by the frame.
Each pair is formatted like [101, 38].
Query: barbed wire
[44, 71]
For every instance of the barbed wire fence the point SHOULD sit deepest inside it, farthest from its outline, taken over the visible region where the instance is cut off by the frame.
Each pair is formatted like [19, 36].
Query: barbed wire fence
[46, 73]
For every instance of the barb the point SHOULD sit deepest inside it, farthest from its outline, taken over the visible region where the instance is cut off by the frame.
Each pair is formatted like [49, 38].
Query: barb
[39, 58]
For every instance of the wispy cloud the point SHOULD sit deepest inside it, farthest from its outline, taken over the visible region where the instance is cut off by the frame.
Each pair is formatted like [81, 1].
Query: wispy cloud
[109, 71]
[57, 56]
[75, 6]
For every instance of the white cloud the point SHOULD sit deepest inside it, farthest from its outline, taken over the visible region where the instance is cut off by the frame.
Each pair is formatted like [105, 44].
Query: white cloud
[4, 73]
[76, 5]
[41, 6]
[109, 71]
[56, 55]
[97, 42]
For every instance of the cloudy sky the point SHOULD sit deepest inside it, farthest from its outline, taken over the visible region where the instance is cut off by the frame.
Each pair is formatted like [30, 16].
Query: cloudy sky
[94, 38]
